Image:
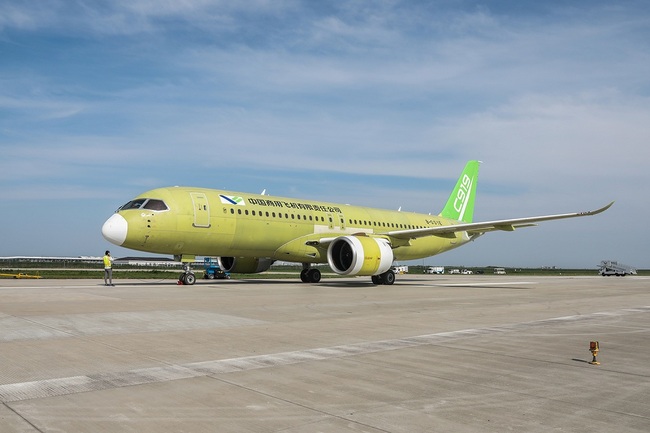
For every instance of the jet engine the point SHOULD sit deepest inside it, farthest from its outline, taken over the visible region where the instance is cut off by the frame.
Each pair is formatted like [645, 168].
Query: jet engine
[359, 255]
[244, 265]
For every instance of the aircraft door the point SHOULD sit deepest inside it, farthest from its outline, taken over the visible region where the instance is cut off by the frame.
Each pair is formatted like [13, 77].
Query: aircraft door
[336, 220]
[330, 221]
[201, 209]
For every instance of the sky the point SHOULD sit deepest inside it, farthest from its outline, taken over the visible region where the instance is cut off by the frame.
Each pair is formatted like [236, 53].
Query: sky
[374, 103]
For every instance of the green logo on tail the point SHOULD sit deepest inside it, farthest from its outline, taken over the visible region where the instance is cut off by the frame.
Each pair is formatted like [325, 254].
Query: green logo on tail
[460, 205]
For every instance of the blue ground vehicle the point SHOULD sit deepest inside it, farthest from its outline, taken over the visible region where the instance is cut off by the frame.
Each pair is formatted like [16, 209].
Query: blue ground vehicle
[213, 271]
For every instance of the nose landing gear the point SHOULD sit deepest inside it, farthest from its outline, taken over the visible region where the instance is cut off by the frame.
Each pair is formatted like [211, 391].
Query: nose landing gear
[187, 277]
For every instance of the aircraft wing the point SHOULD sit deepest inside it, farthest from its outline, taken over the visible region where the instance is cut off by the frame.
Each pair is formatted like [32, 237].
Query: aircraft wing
[482, 227]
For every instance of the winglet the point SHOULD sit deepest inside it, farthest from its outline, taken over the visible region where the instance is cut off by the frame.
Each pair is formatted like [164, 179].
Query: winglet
[597, 211]
[460, 205]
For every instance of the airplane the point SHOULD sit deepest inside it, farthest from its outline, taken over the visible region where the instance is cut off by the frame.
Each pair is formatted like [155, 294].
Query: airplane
[249, 232]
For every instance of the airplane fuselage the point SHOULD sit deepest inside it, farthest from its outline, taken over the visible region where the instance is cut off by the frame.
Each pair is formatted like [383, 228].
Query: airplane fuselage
[207, 222]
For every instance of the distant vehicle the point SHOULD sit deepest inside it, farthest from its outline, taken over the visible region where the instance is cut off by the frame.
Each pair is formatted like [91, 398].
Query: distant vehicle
[455, 271]
[435, 270]
[213, 271]
[499, 271]
[610, 268]
[401, 269]
[466, 272]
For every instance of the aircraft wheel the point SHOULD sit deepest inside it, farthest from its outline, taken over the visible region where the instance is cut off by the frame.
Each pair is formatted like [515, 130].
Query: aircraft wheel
[181, 279]
[189, 279]
[376, 279]
[303, 275]
[388, 277]
[313, 276]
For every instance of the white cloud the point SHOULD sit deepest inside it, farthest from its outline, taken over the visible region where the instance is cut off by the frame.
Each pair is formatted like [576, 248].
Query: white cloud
[147, 93]
[607, 132]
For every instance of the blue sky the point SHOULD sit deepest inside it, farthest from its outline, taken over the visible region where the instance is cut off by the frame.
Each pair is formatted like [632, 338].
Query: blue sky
[376, 103]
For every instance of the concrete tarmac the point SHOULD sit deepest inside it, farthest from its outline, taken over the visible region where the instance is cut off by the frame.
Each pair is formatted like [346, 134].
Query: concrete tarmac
[428, 354]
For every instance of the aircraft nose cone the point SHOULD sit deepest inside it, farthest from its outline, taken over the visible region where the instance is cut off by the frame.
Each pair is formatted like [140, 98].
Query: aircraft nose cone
[114, 229]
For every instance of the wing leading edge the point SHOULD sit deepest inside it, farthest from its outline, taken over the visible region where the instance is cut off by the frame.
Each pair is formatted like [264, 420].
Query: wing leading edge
[482, 227]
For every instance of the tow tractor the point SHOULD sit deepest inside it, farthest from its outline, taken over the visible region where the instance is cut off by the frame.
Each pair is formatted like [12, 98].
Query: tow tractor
[213, 271]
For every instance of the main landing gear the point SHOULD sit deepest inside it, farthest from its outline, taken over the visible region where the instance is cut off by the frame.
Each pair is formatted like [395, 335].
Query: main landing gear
[313, 275]
[309, 274]
[387, 278]
[187, 277]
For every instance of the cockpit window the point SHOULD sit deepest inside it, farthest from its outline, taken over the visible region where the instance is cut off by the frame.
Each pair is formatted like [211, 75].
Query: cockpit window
[153, 204]
[133, 204]
[145, 203]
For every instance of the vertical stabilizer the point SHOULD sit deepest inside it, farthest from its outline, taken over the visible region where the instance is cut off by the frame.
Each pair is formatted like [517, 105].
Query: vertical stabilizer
[460, 205]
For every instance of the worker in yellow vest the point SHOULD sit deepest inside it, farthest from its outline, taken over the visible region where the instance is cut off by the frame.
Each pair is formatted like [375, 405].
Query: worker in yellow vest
[108, 269]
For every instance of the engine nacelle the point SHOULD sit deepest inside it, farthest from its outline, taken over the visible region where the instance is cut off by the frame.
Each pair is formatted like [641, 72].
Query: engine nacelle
[359, 255]
[244, 265]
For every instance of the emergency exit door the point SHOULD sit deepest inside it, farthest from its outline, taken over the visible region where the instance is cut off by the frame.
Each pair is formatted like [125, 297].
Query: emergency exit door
[201, 209]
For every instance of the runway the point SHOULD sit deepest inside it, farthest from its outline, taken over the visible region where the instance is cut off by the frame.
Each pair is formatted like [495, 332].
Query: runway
[430, 353]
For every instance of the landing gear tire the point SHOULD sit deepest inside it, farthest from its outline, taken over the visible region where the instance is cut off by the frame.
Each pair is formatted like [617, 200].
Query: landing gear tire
[313, 276]
[187, 279]
[310, 276]
[387, 278]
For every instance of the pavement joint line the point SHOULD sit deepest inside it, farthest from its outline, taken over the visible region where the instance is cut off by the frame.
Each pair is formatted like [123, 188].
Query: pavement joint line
[305, 406]
[100, 381]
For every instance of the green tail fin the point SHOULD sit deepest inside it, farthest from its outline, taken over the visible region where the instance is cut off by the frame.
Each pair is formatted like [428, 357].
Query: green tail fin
[460, 205]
